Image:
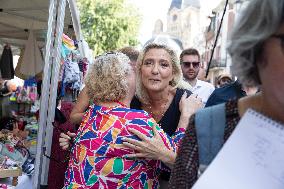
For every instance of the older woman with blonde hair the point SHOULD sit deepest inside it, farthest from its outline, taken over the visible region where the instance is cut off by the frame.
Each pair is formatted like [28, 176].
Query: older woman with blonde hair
[257, 52]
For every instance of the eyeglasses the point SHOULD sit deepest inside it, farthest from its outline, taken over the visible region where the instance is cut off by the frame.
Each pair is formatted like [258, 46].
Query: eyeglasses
[194, 64]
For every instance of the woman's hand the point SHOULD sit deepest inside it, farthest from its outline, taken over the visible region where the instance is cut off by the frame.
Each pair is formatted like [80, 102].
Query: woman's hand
[65, 140]
[149, 148]
[189, 105]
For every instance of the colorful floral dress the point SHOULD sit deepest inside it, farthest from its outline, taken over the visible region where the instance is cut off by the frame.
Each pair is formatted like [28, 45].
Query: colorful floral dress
[97, 156]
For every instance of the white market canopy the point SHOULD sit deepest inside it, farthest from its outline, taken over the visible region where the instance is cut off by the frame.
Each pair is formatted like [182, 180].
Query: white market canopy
[17, 17]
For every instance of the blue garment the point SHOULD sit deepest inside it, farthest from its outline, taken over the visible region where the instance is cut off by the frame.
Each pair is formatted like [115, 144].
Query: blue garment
[30, 82]
[226, 93]
[210, 126]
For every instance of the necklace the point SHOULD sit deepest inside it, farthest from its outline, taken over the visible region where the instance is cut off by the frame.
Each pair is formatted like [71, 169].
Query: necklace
[158, 115]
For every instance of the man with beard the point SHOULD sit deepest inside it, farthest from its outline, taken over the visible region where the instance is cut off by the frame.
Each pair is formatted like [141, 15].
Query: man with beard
[190, 65]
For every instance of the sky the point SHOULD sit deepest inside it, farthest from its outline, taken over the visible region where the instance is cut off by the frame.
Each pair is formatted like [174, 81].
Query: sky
[153, 10]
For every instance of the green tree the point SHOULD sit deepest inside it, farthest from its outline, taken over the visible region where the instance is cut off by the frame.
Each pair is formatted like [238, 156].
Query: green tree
[109, 24]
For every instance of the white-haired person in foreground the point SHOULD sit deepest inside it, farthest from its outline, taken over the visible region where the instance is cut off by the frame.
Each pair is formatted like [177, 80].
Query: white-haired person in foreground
[257, 52]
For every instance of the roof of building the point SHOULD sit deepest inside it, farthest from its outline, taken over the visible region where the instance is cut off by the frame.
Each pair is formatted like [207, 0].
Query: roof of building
[184, 3]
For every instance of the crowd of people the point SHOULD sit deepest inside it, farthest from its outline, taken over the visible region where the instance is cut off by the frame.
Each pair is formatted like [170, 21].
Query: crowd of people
[138, 110]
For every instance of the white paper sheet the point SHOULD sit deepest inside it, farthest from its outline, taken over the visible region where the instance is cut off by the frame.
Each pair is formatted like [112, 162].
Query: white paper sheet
[252, 158]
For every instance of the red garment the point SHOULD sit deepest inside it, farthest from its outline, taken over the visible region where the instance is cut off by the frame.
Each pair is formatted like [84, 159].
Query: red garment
[56, 169]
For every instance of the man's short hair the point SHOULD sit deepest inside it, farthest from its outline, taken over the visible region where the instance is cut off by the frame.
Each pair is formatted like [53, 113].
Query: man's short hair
[131, 52]
[189, 51]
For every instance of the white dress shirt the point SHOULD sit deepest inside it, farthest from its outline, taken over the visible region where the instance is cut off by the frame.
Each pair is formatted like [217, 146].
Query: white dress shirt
[203, 90]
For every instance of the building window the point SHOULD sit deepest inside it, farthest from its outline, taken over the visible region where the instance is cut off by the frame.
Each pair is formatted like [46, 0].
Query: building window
[174, 17]
[188, 21]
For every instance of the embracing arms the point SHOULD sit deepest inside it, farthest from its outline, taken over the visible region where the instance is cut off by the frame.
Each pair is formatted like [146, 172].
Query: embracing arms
[152, 147]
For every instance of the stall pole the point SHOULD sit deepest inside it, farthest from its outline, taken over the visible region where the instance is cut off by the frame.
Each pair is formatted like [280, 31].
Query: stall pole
[53, 88]
[77, 27]
[49, 88]
[44, 95]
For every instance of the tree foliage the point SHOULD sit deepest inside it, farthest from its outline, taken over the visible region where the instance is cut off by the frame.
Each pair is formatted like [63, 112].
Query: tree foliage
[109, 24]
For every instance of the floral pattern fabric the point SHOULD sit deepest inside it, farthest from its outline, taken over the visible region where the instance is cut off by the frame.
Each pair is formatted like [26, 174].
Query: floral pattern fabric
[98, 154]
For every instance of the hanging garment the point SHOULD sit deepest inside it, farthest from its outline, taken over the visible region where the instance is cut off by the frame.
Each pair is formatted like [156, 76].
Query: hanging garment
[5, 91]
[56, 170]
[6, 63]
[32, 62]
[72, 74]
[68, 42]
[83, 65]
[65, 52]
[19, 65]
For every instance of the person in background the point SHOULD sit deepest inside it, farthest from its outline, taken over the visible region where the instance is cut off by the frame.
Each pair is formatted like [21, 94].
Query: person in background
[190, 65]
[224, 79]
[257, 52]
[132, 54]
[234, 90]
[7, 87]
[251, 90]
[228, 92]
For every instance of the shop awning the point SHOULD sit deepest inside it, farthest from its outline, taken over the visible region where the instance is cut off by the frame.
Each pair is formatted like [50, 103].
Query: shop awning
[17, 17]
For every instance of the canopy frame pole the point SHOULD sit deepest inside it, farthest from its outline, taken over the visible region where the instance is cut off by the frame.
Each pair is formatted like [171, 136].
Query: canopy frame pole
[76, 25]
[53, 88]
[46, 111]
[44, 95]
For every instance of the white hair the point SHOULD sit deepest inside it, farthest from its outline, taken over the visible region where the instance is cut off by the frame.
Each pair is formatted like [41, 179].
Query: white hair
[258, 21]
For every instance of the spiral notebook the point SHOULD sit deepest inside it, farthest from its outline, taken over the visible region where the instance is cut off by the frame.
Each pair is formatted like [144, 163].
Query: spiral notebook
[252, 158]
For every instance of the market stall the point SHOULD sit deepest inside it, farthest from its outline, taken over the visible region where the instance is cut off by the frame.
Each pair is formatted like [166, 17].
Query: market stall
[40, 25]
